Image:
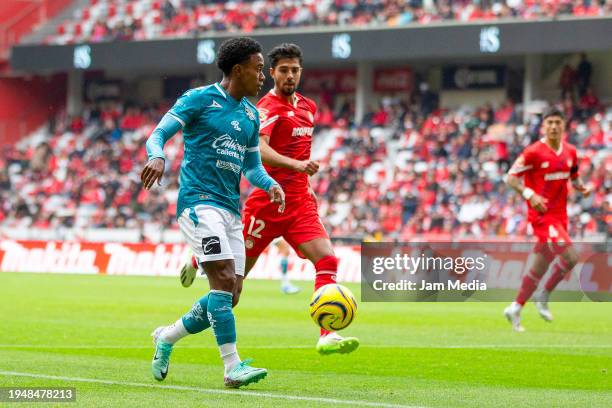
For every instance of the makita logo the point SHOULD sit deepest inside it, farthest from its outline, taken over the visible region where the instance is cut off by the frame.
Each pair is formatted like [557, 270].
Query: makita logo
[66, 257]
[226, 141]
[157, 260]
[302, 131]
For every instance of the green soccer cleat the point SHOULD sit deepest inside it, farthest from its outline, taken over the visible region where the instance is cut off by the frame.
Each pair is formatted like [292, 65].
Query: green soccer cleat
[243, 374]
[188, 271]
[188, 274]
[334, 343]
[161, 358]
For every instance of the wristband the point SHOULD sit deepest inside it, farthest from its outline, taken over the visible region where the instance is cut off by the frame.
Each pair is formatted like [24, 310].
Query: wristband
[528, 193]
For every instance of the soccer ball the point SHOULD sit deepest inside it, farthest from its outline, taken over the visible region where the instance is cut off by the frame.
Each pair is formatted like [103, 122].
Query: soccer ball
[333, 307]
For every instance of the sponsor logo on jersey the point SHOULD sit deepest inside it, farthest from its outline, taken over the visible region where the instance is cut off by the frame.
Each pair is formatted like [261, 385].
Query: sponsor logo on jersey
[545, 165]
[249, 113]
[211, 245]
[227, 146]
[223, 165]
[302, 131]
[560, 175]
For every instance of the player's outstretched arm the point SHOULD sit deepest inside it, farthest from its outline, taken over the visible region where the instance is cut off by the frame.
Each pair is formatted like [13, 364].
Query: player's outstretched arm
[272, 158]
[255, 173]
[154, 169]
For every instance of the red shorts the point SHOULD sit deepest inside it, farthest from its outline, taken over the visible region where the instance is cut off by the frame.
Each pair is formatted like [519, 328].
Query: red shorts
[262, 222]
[552, 234]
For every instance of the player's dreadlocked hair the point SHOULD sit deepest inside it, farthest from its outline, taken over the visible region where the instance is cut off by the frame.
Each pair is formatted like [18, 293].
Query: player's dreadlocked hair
[284, 50]
[236, 51]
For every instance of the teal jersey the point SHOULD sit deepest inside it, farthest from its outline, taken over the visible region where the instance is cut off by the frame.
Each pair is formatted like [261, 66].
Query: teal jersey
[218, 132]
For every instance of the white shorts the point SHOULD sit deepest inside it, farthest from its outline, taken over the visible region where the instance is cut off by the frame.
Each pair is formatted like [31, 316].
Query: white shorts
[213, 234]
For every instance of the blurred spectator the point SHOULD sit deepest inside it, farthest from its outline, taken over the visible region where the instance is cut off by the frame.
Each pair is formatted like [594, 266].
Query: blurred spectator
[104, 20]
[324, 116]
[408, 173]
[567, 81]
[589, 103]
[429, 99]
[583, 74]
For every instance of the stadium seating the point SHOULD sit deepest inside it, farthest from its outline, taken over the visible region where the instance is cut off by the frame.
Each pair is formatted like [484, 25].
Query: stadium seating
[405, 176]
[106, 20]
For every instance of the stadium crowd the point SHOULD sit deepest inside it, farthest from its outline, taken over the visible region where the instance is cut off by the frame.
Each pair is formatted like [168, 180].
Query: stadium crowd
[108, 20]
[408, 169]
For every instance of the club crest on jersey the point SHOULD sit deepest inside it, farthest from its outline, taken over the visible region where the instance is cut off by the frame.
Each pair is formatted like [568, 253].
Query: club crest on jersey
[545, 165]
[249, 113]
[263, 114]
[291, 113]
[310, 116]
[569, 163]
[236, 125]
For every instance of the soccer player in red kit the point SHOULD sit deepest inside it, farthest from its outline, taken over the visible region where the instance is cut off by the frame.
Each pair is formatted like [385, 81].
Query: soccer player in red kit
[546, 166]
[287, 125]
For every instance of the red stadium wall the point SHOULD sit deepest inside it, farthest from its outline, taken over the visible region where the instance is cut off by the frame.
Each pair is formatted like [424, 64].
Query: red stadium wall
[27, 103]
[20, 17]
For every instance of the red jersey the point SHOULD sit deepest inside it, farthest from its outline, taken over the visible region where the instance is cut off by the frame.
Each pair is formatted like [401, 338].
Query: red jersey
[290, 127]
[546, 172]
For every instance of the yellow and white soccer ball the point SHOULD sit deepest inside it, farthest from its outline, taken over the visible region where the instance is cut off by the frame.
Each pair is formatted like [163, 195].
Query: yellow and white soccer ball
[333, 307]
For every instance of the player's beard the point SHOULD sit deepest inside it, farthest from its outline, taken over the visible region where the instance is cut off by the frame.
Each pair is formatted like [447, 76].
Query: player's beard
[288, 90]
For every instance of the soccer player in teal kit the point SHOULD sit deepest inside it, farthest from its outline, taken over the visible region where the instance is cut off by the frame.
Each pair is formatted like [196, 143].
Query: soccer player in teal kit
[221, 138]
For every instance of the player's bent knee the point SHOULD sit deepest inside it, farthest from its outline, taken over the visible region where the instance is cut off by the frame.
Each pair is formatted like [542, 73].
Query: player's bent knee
[222, 274]
[570, 261]
[544, 250]
[227, 279]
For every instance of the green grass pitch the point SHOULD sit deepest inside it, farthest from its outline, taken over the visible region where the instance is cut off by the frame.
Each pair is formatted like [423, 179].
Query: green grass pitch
[92, 333]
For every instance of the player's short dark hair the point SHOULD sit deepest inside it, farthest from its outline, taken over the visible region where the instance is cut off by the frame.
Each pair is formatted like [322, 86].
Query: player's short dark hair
[236, 51]
[282, 51]
[553, 112]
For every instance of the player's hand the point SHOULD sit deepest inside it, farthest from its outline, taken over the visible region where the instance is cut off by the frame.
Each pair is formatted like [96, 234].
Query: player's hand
[309, 167]
[538, 203]
[277, 195]
[586, 190]
[152, 172]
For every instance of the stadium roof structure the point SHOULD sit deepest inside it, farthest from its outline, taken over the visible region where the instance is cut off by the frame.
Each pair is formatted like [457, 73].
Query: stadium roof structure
[332, 46]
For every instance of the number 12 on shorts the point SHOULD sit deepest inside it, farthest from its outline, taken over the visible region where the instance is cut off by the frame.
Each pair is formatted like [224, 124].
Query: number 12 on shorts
[260, 226]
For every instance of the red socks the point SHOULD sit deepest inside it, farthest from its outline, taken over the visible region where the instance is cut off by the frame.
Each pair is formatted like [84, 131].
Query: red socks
[529, 285]
[560, 269]
[323, 279]
[326, 268]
